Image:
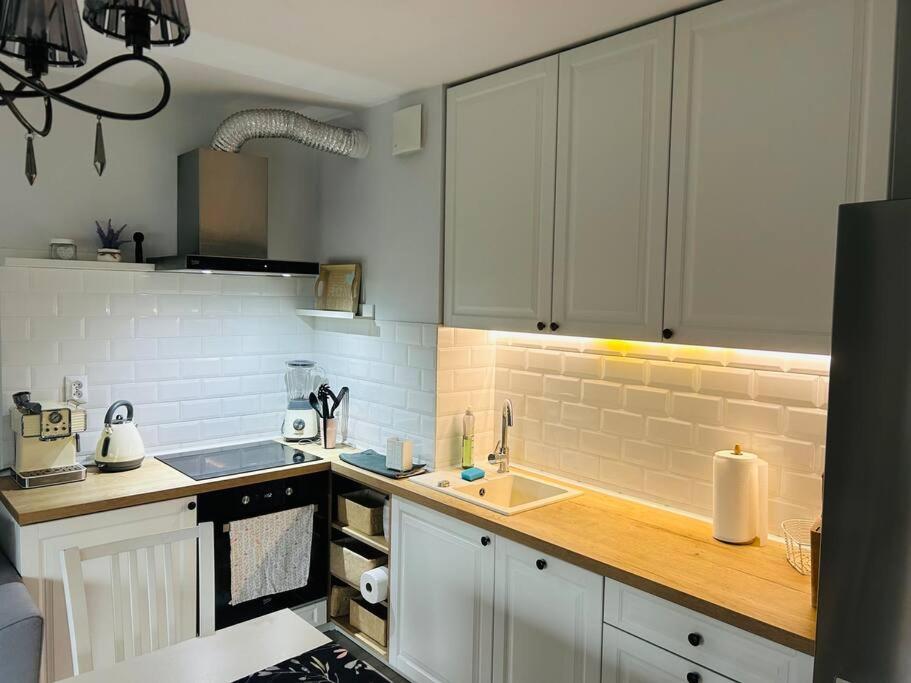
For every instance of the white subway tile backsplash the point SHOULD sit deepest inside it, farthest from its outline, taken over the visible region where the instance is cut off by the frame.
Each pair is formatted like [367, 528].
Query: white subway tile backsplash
[806, 423]
[111, 372]
[133, 304]
[199, 409]
[156, 370]
[179, 389]
[753, 416]
[622, 423]
[563, 388]
[544, 361]
[626, 370]
[56, 329]
[646, 400]
[669, 431]
[725, 381]
[27, 304]
[179, 432]
[109, 328]
[602, 394]
[29, 352]
[582, 365]
[787, 387]
[158, 327]
[621, 475]
[81, 351]
[697, 408]
[82, 304]
[644, 454]
[158, 340]
[599, 443]
[156, 283]
[582, 416]
[102, 282]
[145, 392]
[664, 411]
[129, 349]
[15, 329]
[179, 347]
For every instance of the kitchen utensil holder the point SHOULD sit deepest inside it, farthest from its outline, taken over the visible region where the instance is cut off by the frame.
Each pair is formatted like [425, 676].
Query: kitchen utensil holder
[797, 541]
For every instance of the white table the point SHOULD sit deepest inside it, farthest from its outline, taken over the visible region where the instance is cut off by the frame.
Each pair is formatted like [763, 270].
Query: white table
[229, 654]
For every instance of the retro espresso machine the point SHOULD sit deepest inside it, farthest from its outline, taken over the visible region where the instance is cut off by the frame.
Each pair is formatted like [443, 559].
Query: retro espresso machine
[47, 440]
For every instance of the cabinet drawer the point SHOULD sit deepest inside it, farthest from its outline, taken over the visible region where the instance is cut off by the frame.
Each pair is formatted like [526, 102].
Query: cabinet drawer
[735, 653]
[627, 659]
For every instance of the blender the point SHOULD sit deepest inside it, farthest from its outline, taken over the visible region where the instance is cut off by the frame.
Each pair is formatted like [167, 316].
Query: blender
[301, 422]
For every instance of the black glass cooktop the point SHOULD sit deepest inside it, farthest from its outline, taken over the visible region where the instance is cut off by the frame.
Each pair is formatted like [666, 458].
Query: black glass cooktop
[224, 460]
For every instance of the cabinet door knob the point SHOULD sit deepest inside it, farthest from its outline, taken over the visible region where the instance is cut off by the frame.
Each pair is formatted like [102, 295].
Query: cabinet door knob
[541, 326]
[694, 639]
[554, 327]
[485, 540]
[541, 564]
[191, 505]
[693, 677]
[667, 333]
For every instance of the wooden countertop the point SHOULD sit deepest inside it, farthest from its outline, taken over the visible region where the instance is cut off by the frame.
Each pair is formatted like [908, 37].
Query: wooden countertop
[664, 553]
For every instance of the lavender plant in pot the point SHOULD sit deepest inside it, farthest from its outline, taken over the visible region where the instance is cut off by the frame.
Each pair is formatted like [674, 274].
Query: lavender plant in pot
[110, 242]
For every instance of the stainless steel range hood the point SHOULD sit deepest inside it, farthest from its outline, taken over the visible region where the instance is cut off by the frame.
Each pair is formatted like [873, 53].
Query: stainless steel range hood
[223, 217]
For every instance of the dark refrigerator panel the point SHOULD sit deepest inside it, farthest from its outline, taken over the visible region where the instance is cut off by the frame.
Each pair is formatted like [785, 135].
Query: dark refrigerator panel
[864, 619]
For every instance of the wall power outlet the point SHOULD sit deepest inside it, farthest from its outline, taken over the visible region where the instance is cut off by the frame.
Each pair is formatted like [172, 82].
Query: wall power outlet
[76, 388]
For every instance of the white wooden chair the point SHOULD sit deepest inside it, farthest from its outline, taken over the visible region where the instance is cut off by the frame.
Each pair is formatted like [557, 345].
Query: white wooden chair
[136, 603]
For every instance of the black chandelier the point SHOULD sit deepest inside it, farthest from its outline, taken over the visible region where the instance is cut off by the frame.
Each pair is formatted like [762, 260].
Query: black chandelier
[46, 33]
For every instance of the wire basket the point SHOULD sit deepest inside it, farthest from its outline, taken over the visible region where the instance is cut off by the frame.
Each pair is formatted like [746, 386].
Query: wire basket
[797, 540]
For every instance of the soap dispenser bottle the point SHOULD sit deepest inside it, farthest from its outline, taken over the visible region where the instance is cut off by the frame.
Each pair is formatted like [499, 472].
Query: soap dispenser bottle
[467, 439]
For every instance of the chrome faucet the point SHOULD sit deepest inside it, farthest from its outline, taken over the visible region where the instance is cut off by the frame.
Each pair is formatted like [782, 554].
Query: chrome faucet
[501, 456]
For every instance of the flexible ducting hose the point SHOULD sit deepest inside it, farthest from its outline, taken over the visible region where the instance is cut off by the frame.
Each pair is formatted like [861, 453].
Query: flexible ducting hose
[250, 124]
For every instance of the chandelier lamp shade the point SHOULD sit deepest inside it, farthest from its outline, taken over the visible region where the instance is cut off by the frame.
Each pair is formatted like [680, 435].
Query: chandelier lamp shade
[46, 34]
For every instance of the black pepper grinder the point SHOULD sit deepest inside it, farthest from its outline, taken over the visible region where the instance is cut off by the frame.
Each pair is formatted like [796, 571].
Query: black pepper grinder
[138, 237]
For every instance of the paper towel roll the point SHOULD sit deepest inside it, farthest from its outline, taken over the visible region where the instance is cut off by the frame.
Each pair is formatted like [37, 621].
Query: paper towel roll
[736, 496]
[375, 584]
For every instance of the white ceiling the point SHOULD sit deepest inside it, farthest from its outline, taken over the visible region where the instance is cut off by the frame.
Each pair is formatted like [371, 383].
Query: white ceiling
[355, 53]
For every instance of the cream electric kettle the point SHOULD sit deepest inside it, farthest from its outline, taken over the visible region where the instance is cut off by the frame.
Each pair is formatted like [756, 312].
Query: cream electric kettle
[120, 446]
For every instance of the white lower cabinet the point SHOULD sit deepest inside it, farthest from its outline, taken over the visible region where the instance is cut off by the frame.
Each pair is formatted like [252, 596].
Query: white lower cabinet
[35, 550]
[469, 606]
[628, 659]
[547, 618]
[441, 617]
[741, 656]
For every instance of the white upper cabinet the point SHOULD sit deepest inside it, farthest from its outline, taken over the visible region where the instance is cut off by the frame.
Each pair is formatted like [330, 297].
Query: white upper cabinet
[500, 148]
[781, 112]
[547, 624]
[611, 191]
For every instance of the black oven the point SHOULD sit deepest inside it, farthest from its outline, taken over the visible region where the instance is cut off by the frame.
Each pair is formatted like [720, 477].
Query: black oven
[223, 507]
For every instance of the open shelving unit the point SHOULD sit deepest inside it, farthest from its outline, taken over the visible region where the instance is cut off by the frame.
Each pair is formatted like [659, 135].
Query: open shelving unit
[377, 542]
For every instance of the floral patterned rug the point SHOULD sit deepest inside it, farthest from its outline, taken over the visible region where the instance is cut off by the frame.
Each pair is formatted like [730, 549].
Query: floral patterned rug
[329, 663]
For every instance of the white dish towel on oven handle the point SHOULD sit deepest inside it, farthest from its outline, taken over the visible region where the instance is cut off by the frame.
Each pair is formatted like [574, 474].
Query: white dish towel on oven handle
[270, 553]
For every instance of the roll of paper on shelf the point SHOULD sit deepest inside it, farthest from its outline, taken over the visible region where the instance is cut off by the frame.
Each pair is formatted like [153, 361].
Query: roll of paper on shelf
[375, 585]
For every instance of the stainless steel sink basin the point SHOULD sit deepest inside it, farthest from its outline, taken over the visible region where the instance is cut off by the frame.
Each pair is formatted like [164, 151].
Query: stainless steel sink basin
[507, 494]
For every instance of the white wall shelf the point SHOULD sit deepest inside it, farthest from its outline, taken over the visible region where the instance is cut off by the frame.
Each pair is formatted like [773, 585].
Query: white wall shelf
[18, 262]
[340, 315]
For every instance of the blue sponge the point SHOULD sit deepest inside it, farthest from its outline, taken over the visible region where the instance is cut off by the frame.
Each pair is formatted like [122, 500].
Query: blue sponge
[472, 473]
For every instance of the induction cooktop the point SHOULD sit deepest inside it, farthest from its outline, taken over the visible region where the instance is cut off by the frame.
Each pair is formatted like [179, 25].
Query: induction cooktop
[222, 461]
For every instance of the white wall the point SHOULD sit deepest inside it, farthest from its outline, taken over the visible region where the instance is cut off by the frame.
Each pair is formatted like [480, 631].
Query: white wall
[202, 357]
[386, 212]
[642, 418]
[139, 186]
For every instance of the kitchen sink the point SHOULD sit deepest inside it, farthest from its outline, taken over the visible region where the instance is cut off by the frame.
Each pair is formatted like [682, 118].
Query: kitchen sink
[507, 494]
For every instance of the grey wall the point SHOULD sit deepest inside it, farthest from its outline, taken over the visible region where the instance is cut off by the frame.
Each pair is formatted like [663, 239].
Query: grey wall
[139, 186]
[386, 212]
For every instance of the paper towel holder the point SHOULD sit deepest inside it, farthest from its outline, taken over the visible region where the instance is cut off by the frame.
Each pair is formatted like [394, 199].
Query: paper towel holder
[740, 497]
